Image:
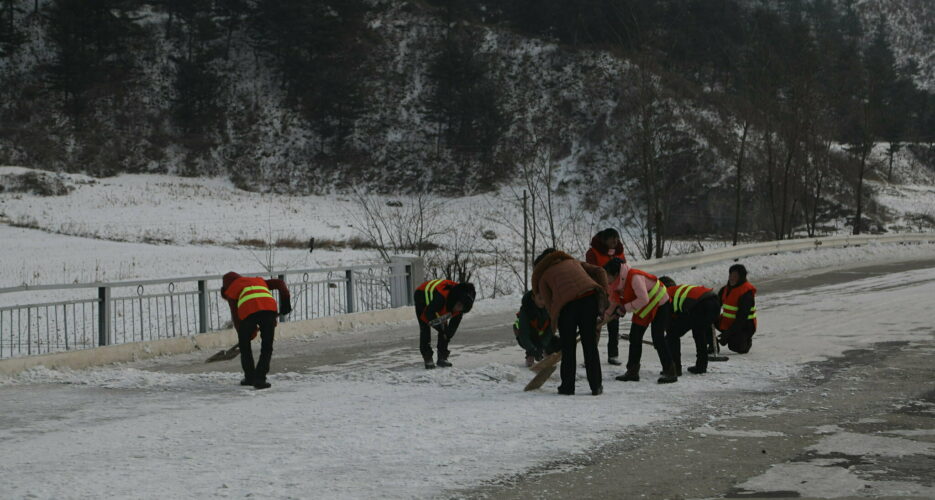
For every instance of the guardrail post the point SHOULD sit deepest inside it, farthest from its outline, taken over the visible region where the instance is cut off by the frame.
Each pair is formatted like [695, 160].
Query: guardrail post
[202, 306]
[407, 271]
[282, 317]
[416, 277]
[103, 316]
[349, 285]
[410, 300]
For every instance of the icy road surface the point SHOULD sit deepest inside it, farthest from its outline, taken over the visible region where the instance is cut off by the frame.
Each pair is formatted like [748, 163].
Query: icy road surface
[355, 416]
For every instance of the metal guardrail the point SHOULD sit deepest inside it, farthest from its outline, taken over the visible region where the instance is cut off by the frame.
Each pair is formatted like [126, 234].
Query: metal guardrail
[99, 314]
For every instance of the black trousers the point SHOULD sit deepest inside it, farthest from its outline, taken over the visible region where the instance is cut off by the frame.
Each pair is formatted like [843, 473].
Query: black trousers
[613, 338]
[266, 321]
[425, 332]
[659, 325]
[579, 317]
[699, 320]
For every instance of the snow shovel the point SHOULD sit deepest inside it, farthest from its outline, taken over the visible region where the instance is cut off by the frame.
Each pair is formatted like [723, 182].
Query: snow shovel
[231, 353]
[545, 371]
[225, 354]
[542, 376]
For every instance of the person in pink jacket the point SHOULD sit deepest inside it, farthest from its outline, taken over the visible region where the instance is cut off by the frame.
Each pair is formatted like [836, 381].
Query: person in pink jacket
[645, 297]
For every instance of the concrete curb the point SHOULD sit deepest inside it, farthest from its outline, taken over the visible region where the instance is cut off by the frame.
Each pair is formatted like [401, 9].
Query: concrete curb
[224, 339]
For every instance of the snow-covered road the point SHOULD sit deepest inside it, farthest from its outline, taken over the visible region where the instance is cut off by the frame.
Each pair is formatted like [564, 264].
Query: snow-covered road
[386, 428]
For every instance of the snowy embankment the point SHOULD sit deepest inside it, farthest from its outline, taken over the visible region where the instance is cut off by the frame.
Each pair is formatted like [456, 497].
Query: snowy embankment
[383, 428]
[158, 226]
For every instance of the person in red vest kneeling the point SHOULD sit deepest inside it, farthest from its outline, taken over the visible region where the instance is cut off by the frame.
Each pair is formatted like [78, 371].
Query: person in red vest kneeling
[694, 308]
[253, 308]
[737, 323]
[606, 245]
[440, 304]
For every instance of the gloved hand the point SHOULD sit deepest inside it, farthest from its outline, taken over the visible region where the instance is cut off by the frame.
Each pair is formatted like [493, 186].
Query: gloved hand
[285, 307]
[723, 338]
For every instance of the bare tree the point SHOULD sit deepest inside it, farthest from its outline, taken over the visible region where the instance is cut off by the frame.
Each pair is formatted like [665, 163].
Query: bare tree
[739, 180]
[661, 152]
[408, 225]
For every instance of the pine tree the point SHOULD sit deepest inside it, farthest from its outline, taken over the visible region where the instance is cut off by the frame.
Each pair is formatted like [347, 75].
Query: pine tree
[94, 48]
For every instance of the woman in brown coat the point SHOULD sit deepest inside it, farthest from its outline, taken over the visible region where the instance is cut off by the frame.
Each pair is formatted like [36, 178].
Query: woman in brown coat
[575, 293]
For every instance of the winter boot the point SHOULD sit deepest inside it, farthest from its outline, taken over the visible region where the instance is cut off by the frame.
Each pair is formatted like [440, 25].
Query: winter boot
[668, 375]
[632, 374]
[443, 363]
[598, 391]
[678, 371]
[429, 364]
[614, 361]
[261, 384]
[245, 382]
[697, 370]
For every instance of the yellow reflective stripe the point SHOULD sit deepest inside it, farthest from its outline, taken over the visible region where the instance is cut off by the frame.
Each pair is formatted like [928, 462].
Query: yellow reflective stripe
[734, 309]
[245, 294]
[430, 290]
[680, 295]
[655, 296]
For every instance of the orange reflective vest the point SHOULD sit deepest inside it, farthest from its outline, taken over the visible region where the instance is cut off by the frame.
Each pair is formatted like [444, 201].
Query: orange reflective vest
[647, 313]
[683, 297]
[435, 290]
[730, 300]
[252, 295]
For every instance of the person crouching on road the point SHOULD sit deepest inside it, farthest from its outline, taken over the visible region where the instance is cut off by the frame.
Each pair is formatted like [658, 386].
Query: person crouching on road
[534, 331]
[440, 304]
[641, 294]
[253, 307]
[606, 245]
[737, 323]
[694, 308]
[574, 293]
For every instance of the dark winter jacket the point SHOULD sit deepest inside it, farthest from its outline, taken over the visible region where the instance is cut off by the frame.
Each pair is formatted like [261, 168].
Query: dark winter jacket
[599, 254]
[533, 329]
